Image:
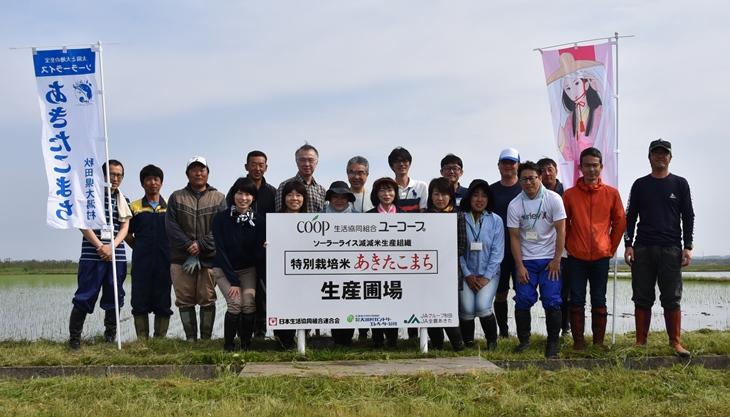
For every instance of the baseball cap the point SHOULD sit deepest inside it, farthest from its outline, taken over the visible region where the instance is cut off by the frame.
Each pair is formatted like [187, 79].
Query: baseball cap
[510, 154]
[660, 143]
[198, 159]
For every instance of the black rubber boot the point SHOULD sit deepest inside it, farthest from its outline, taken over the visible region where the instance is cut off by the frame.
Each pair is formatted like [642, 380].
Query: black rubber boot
[553, 323]
[500, 312]
[489, 325]
[362, 334]
[467, 332]
[342, 337]
[162, 323]
[207, 319]
[75, 327]
[110, 326]
[378, 338]
[436, 335]
[245, 329]
[391, 336]
[286, 338]
[142, 326]
[523, 320]
[454, 334]
[189, 322]
[565, 318]
[412, 333]
[230, 327]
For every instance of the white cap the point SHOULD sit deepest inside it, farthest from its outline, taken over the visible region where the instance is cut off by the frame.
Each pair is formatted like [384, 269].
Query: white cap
[198, 159]
[510, 154]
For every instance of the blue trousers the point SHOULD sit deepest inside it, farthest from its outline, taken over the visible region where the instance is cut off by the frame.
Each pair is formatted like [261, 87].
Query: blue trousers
[95, 276]
[526, 294]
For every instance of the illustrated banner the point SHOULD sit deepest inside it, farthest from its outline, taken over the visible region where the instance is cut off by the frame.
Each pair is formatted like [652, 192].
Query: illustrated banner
[580, 89]
[72, 136]
[361, 270]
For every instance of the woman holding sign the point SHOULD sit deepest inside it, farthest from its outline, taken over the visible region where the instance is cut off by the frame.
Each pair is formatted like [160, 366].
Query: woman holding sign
[441, 200]
[295, 201]
[480, 262]
[384, 197]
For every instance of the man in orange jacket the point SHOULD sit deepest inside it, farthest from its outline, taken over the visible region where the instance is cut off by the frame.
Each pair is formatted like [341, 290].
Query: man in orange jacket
[595, 224]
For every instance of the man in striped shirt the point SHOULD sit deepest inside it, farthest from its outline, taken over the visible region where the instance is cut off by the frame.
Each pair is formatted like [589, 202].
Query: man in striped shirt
[95, 264]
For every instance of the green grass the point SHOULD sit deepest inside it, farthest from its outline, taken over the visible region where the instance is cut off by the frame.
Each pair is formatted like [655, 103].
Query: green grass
[678, 391]
[95, 352]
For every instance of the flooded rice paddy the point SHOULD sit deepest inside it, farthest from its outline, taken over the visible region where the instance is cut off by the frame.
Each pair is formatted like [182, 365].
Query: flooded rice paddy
[38, 306]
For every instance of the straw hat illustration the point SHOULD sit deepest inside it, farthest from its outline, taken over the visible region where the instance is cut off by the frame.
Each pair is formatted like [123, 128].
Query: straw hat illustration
[568, 64]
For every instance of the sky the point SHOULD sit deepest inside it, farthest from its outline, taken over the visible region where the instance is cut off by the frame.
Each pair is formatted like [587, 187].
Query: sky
[219, 79]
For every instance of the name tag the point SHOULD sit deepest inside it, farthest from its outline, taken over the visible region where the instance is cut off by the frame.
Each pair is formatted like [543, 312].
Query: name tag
[476, 246]
[106, 232]
[531, 235]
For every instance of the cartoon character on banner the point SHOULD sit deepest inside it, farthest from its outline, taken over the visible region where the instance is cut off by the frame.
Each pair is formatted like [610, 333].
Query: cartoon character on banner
[581, 84]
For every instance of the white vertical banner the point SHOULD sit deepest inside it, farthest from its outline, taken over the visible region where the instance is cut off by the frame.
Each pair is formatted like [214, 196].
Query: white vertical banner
[72, 138]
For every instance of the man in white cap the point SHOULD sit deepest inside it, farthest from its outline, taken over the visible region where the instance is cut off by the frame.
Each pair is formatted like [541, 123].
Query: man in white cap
[188, 222]
[504, 190]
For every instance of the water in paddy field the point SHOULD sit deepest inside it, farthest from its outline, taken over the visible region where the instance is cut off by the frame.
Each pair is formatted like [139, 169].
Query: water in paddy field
[38, 307]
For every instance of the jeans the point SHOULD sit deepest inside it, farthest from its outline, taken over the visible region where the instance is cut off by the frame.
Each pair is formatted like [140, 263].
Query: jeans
[652, 265]
[583, 272]
[526, 294]
[477, 304]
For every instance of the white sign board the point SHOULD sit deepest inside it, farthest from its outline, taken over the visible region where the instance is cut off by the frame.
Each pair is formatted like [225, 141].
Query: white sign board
[361, 270]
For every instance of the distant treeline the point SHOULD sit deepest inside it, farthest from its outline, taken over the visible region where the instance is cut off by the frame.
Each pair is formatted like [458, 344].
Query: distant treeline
[9, 266]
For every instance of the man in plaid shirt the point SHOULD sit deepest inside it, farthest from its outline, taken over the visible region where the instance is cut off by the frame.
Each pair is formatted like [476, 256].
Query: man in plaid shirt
[306, 157]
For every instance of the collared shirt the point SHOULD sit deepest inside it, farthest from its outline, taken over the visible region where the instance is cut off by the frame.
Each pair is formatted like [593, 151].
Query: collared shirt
[413, 197]
[315, 194]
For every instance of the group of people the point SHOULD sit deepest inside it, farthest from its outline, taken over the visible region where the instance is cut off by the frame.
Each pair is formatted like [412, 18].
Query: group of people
[524, 229]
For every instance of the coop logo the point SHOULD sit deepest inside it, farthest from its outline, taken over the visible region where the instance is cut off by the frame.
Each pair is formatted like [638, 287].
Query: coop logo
[273, 321]
[412, 320]
[313, 226]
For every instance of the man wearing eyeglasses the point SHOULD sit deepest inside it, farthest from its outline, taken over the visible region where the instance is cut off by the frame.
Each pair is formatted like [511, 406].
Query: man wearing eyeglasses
[536, 223]
[95, 265]
[661, 201]
[306, 158]
[452, 168]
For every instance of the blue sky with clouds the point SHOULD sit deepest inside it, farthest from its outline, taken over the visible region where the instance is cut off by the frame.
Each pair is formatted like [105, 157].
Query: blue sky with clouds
[360, 77]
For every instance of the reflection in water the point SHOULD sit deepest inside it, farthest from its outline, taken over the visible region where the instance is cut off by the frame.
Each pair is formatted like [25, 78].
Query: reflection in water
[40, 311]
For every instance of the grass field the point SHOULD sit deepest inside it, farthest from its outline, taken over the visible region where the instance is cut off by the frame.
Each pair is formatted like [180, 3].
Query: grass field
[95, 352]
[691, 391]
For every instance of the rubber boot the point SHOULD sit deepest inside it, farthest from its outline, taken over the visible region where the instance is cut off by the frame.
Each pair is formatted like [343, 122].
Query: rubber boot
[599, 317]
[391, 337]
[578, 324]
[467, 332]
[553, 322]
[142, 326]
[207, 319]
[489, 325]
[189, 322]
[642, 317]
[110, 326]
[500, 312]
[246, 323]
[230, 327]
[286, 338]
[565, 323]
[454, 334]
[75, 327]
[362, 334]
[378, 338]
[436, 336]
[342, 337]
[523, 321]
[162, 323]
[412, 333]
[673, 320]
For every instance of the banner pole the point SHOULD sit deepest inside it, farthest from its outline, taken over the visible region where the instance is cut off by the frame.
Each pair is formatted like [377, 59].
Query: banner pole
[423, 339]
[616, 150]
[109, 191]
[301, 341]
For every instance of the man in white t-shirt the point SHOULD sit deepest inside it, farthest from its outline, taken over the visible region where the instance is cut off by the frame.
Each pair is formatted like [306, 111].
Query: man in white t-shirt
[536, 223]
[358, 170]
